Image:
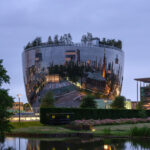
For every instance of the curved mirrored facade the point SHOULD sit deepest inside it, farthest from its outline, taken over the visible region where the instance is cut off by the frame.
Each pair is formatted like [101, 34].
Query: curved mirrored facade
[68, 69]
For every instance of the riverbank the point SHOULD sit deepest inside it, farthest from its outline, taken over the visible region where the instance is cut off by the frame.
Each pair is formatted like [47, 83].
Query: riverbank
[36, 130]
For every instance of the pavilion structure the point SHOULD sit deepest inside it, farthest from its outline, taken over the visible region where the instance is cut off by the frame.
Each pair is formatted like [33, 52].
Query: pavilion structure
[143, 87]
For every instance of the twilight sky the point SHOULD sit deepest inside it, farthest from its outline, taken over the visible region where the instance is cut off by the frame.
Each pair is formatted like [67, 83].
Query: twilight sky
[128, 20]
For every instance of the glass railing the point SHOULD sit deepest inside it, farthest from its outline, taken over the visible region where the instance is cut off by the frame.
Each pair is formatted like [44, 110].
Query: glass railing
[71, 44]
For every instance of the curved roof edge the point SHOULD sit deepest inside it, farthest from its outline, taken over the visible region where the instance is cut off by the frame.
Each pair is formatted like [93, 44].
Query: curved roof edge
[77, 45]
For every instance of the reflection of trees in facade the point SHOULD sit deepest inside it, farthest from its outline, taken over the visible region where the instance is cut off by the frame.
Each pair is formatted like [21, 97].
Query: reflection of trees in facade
[36, 82]
[79, 73]
[71, 70]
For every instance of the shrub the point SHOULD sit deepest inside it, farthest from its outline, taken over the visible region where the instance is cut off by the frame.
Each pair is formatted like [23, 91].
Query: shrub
[118, 103]
[47, 100]
[135, 131]
[90, 113]
[88, 102]
[142, 114]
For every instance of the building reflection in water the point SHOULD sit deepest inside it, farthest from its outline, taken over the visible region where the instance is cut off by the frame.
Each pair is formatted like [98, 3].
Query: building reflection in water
[76, 144]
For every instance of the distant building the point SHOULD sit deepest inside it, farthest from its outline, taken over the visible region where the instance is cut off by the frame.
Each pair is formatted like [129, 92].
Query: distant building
[103, 103]
[134, 105]
[128, 104]
[144, 91]
[16, 106]
[106, 104]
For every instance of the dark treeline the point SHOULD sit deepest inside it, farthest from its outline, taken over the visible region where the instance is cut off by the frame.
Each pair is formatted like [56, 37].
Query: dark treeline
[67, 39]
[86, 38]
[73, 71]
[112, 42]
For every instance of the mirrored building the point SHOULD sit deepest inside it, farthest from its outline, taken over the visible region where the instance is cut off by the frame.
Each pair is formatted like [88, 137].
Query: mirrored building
[67, 69]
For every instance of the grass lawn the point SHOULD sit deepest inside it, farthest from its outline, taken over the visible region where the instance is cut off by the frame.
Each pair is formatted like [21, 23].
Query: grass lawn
[37, 127]
[118, 130]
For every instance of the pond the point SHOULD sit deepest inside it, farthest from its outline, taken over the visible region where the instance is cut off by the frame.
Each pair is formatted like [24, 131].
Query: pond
[74, 144]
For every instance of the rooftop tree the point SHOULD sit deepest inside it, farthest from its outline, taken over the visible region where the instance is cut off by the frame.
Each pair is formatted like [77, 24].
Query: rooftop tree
[37, 41]
[84, 39]
[61, 40]
[89, 36]
[50, 40]
[56, 41]
[69, 38]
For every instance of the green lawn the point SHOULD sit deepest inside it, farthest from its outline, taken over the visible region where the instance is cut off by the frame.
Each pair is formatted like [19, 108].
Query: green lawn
[119, 130]
[37, 127]
[17, 125]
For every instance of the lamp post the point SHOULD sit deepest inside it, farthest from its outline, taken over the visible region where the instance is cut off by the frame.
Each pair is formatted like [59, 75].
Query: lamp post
[19, 95]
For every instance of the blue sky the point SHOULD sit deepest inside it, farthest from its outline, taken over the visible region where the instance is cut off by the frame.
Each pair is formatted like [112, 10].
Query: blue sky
[128, 20]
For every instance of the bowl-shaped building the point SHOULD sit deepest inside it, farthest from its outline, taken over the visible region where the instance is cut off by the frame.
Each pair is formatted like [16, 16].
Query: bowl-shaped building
[71, 70]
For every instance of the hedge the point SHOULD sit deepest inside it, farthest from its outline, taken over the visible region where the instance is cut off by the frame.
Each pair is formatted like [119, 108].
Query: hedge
[88, 113]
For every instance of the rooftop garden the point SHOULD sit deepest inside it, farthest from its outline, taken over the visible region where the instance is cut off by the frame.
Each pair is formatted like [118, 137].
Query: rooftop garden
[66, 39]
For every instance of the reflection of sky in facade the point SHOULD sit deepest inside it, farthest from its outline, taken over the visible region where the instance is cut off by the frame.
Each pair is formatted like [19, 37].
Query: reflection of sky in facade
[37, 60]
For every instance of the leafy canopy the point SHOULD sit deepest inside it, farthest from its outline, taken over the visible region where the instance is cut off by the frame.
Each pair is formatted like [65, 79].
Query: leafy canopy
[48, 100]
[6, 102]
[119, 103]
[3, 76]
[88, 102]
[27, 107]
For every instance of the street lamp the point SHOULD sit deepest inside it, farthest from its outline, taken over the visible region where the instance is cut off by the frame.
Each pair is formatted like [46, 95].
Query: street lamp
[19, 95]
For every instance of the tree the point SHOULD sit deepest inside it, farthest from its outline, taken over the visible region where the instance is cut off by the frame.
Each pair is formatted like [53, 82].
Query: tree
[88, 102]
[84, 39]
[119, 103]
[6, 102]
[37, 41]
[69, 38]
[28, 45]
[139, 105]
[48, 100]
[50, 40]
[89, 36]
[4, 78]
[62, 40]
[26, 107]
[56, 41]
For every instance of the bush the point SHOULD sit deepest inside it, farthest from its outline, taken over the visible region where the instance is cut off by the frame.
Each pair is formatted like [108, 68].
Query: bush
[142, 114]
[88, 102]
[119, 103]
[135, 131]
[47, 100]
[90, 113]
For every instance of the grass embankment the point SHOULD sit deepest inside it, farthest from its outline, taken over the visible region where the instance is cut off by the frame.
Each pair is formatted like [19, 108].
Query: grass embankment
[38, 128]
[122, 130]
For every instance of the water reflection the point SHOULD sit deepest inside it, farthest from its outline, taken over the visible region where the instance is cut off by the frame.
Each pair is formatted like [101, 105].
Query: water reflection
[74, 144]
